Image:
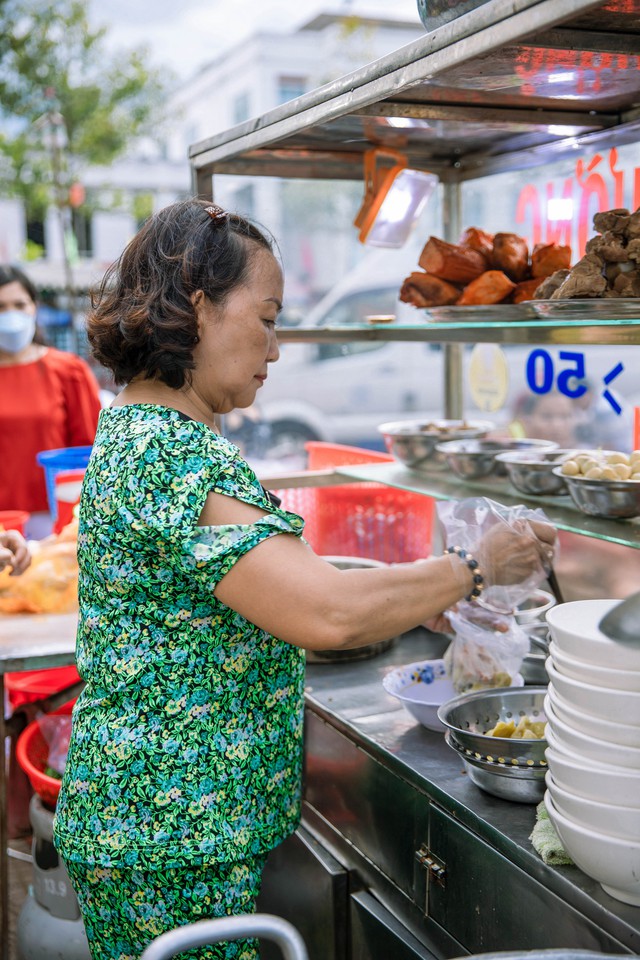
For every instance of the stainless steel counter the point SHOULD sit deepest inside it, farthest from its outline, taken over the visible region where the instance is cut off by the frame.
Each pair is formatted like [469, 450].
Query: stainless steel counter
[348, 698]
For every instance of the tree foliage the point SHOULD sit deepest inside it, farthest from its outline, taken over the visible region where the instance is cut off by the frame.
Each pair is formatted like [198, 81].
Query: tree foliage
[66, 101]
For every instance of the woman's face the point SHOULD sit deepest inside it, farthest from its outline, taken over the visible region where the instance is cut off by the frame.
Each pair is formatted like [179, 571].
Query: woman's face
[238, 340]
[17, 321]
[13, 296]
[553, 418]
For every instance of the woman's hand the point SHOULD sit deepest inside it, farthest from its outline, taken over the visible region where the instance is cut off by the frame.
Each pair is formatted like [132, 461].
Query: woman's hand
[511, 554]
[14, 552]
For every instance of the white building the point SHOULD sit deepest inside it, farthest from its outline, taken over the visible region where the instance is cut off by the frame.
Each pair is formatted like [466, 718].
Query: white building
[249, 79]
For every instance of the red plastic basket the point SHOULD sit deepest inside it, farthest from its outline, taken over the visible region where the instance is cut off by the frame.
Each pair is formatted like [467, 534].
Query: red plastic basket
[361, 519]
[32, 752]
[13, 520]
[30, 685]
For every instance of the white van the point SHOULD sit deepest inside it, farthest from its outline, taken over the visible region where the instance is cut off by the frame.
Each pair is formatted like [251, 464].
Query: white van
[341, 392]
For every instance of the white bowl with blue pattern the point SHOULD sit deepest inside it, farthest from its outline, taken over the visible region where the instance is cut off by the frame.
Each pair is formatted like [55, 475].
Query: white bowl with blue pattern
[421, 687]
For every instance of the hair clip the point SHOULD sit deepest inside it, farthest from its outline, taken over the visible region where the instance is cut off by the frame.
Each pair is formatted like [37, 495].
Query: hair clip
[217, 214]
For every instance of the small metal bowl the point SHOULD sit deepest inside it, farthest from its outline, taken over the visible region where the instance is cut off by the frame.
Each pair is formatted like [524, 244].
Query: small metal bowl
[611, 499]
[413, 442]
[531, 471]
[533, 669]
[521, 785]
[507, 768]
[534, 607]
[472, 459]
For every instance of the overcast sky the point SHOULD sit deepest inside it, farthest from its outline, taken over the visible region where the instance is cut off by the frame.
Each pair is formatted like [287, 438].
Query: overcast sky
[185, 34]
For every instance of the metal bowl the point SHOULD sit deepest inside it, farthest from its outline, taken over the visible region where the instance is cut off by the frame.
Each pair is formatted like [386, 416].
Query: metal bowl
[471, 459]
[533, 667]
[534, 607]
[413, 442]
[531, 471]
[470, 715]
[523, 785]
[612, 499]
[507, 768]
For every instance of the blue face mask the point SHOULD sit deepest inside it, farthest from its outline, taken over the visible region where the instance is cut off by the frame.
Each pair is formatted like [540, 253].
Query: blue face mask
[16, 330]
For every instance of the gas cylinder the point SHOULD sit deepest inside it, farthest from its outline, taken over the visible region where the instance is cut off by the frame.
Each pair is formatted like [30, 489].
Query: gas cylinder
[49, 926]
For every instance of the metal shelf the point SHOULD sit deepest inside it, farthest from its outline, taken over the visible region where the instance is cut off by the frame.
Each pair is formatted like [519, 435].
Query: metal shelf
[509, 85]
[445, 486]
[533, 331]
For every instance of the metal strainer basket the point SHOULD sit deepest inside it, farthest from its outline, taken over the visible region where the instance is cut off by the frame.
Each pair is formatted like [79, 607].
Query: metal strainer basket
[505, 767]
[470, 715]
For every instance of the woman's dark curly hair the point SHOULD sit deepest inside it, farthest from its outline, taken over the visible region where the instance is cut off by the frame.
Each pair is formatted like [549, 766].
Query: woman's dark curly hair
[142, 319]
[10, 274]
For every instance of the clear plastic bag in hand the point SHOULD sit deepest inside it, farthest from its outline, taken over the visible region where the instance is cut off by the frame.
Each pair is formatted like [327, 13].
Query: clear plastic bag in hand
[487, 649]
[479, 525]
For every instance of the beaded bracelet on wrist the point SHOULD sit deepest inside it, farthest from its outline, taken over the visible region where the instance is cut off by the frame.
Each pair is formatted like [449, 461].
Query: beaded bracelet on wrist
[474, 567]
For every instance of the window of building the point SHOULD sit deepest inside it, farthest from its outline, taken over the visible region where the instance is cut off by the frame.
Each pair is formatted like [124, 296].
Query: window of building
[240, 107]
[81, 226]
[290, 87]
[36, 245]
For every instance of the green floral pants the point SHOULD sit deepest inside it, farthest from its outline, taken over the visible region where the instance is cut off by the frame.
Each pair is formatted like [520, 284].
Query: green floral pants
[124, 910]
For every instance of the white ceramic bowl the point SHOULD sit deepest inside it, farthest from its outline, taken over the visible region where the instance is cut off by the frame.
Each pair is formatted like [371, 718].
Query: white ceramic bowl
[572, 742]
[592, 781]
[559, 745]
[606, 703]
[610, 818]
[612, 861]
[622, 733]
[574, 630]
[534, 607]
[421, 687]
[593, 673]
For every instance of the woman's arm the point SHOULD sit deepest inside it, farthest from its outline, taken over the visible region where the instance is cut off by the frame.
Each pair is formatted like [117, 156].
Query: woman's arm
[283, 587]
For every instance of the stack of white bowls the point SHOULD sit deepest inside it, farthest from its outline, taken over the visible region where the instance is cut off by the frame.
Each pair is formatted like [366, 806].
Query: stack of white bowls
[593, 734]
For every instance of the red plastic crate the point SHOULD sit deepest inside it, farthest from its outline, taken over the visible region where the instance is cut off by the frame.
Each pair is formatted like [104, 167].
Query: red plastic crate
[361, 519]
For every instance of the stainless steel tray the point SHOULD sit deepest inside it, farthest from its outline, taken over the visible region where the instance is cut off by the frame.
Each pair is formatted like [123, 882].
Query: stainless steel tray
[483, 313]
[609, 308]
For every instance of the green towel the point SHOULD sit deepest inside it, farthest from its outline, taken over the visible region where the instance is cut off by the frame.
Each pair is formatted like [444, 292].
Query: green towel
[546, 841]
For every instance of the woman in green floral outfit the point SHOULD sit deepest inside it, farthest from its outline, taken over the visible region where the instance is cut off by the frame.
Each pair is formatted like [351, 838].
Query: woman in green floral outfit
[198, 594]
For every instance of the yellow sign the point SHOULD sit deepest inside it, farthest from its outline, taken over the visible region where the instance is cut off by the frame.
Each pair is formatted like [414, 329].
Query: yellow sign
[488, 376]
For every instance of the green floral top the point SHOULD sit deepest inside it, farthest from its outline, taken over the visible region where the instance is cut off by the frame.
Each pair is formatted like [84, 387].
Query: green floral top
[186, 742]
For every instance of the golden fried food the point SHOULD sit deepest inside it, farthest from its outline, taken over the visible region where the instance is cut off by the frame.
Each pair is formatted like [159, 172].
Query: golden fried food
[526, 729]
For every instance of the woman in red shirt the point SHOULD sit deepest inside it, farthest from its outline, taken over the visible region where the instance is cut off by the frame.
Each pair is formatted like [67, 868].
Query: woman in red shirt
[48, 399]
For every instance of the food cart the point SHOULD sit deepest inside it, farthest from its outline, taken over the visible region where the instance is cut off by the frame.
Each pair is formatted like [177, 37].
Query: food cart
[398, 853]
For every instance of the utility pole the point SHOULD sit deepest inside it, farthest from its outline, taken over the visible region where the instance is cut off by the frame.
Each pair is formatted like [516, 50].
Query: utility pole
[57, 142]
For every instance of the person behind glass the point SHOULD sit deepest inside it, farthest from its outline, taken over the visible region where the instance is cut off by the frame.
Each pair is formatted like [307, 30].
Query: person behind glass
[198, 596]
[48, 399]
[547, 416]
